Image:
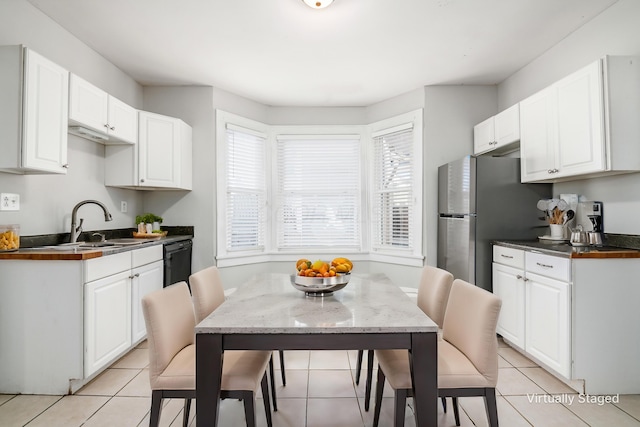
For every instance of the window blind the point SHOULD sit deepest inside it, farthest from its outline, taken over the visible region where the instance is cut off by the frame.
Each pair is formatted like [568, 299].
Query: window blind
[392, 201]
[246, 189]
[318, 191]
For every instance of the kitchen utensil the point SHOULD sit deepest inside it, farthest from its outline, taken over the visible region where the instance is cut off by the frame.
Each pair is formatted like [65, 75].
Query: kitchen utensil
[569, 215]
[595, 238]
[579, 237]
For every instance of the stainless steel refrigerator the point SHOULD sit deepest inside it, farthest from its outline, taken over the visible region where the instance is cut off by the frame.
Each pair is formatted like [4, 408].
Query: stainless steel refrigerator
[481, 199]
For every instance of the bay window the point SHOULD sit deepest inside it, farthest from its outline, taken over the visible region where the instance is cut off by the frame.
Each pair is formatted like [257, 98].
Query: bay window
[353, 190]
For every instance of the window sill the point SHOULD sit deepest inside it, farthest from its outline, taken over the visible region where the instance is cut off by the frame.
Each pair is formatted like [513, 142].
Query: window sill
[238, 260]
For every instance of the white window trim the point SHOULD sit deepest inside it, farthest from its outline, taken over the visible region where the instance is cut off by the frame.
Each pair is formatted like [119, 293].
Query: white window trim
[252, 126]
[409, 257]
[404, 121]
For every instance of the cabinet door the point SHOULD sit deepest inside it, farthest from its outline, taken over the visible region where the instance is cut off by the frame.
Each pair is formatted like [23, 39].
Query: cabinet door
[107, 320]
[87, 104]
[158, 150]
[508, 284]
[507, 126]
[123, 121]
[548, 322]
[46, 104]
[538, 140]
[147, 278]
[581, 139]
[484, 136]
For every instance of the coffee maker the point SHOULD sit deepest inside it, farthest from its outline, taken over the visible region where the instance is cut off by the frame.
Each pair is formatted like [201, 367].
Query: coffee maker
[590, 216]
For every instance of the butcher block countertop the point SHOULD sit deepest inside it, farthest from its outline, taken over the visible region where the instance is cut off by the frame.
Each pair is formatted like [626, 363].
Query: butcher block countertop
[564, 249]
[61, 253]
[52, 254]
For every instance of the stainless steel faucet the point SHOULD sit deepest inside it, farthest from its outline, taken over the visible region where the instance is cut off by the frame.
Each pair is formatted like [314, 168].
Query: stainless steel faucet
[75, 231]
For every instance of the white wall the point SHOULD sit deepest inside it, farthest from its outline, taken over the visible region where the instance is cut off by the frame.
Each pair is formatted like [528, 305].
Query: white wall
[449, 116]
[47, 200]
[614, 32]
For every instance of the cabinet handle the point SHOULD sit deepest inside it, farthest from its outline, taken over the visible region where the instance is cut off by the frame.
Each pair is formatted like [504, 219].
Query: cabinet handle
[112, 128]
[66, 166]
[142, 180]
[136, 275]
[106, 125]
[544, 265]
[506, 256]
[518, 277]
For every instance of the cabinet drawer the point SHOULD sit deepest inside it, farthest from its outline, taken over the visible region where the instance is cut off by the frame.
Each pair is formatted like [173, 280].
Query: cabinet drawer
[146, 255]
[106, 266]
[548, 265]
[508, 256]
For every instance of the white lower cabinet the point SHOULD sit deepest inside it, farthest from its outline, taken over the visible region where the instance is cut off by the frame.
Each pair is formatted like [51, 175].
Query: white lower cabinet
[508, 284]
[548, 322]
[146, 278]
[107, 320]
[536, 305]
[576, 317]
[114, 287]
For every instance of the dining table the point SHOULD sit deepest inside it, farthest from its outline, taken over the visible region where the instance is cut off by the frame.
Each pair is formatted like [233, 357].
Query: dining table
[269, 313]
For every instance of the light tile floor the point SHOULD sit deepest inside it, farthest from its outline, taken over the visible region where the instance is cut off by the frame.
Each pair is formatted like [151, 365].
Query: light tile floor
[320, 392]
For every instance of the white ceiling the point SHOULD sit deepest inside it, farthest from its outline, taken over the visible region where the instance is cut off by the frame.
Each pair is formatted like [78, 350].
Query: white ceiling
[353, 53]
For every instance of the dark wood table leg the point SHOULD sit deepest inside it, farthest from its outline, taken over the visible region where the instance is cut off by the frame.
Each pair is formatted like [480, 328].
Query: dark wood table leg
[209, 358]
[367, 390]
[424, 372]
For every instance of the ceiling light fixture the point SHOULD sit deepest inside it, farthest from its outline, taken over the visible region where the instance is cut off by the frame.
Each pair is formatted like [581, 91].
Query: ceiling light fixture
[317, 4]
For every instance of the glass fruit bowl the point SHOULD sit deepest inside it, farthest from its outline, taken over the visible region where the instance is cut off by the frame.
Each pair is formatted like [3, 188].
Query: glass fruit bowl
[320, 286]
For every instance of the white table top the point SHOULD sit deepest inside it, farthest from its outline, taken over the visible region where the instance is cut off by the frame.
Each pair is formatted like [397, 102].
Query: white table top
[269, 304]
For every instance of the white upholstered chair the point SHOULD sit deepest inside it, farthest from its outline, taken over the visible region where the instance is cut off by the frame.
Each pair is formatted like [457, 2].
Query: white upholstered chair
[431, 296]
[208, 293]
[170, 321]
[467, 354]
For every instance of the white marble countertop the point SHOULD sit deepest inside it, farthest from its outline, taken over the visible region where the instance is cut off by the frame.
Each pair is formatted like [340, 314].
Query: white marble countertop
[269, 304]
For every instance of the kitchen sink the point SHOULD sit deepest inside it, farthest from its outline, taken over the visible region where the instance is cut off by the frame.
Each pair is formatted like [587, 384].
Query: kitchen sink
[128, 241]
[96, 244]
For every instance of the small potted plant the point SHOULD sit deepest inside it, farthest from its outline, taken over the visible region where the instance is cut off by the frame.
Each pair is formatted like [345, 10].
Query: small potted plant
[148, 223]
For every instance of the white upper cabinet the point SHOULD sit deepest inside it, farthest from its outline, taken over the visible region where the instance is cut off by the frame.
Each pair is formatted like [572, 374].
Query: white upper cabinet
[498, 133]
[162, 159]
[583, 125]
[33, 112]
[91, 107]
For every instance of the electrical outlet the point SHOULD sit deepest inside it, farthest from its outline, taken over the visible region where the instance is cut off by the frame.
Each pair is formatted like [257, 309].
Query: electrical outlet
[9, 202]
[123, 206]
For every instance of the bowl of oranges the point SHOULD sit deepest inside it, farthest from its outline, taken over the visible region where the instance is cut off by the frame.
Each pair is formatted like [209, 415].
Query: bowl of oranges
[321, 278]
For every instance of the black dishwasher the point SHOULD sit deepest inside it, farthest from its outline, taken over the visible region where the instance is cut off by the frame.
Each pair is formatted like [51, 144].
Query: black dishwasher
[177, 261]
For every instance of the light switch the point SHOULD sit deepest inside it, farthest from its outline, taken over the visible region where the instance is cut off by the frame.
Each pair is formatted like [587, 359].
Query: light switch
[9, 202]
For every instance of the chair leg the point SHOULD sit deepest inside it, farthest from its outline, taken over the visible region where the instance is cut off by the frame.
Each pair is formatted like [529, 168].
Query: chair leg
[367, 390]
[400, 402]
[491, 407]
[359, 366]
[265, 392]
[156, 408]
[273, 383]
[444, 404]
[284, 378]
[456, 410]
[379, 389]
[249, 408]
[185, 412]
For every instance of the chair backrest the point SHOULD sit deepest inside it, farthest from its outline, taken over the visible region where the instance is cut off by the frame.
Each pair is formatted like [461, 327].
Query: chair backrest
[207, 291]
[170, 321]
[470, 325]
[433, 292]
